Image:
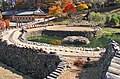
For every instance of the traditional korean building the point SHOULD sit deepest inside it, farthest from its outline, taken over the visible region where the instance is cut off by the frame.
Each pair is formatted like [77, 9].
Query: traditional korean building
[24, 15]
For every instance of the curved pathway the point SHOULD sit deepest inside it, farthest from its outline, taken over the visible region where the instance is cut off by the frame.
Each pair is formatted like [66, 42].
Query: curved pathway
[12, 37]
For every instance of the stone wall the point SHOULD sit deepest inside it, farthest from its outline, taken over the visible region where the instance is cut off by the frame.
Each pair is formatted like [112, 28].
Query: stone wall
[88, 34]
[106, 58]
[108, 63]
[28, 61]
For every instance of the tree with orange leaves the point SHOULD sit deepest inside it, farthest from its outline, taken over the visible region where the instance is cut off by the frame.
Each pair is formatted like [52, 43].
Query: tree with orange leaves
[0, 15]
[82, 6]
[7, 22]
[2, 24]
[55, 11]
[64, 3]
[70, 9]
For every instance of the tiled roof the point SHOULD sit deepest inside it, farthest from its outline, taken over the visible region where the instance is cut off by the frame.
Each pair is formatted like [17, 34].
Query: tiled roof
[39, 12]
[24, 12]
[8, 12]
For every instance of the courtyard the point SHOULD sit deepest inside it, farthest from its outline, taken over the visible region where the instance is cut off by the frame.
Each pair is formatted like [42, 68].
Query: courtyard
[60, 39]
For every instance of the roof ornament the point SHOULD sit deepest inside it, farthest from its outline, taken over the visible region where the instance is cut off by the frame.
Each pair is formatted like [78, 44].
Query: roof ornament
[39, 11]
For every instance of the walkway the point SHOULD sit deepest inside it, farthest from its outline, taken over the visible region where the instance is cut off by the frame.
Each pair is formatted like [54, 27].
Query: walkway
[65, 51]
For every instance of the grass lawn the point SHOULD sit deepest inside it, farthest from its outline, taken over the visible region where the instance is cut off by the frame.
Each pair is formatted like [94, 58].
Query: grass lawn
[44, 38]
[101, 41]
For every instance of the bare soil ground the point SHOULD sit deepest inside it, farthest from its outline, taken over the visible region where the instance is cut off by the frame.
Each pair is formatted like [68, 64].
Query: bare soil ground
[7, 72]
[73, 72]
[64, 28]
[72, 28]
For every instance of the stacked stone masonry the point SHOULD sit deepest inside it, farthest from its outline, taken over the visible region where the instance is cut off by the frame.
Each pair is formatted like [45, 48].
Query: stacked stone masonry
[110, 62]
[28, 61]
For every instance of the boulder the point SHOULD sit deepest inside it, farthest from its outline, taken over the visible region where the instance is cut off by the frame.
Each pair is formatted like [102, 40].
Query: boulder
[78, 40]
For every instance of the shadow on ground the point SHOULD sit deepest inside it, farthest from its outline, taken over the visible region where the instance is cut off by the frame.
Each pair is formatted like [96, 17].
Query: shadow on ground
[7, 72]
[90, 70]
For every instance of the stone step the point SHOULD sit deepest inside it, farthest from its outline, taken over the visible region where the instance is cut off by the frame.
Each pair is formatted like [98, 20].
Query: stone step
[116, 60]
[112, 76]
[117, 56]
[58, 70]
[118, 53]
[49, 77]
[56, 73]
[62, 67]
[115, 65]
[114, 70]
[53, 75]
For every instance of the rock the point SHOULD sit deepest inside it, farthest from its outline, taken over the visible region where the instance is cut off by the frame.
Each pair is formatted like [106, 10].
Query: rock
[98, 31]
[79, 40]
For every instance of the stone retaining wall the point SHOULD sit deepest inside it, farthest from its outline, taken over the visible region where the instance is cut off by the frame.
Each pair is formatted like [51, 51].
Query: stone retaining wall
[88, 34]
[28, 61]
[106, 58]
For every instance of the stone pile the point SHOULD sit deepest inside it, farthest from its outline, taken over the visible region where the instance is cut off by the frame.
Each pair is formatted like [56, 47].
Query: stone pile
[77, 40]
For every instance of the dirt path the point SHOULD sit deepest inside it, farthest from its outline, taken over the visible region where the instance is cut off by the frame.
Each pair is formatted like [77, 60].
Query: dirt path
[62, 28]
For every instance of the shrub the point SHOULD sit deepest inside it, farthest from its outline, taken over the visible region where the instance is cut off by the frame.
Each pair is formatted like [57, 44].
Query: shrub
[82, 6]
[97, 17]
[113, 19]
[108, 19]
[56, 42]
[79, 63]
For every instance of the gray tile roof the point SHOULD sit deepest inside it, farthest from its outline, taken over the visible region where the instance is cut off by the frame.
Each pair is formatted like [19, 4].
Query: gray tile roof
[24, 12]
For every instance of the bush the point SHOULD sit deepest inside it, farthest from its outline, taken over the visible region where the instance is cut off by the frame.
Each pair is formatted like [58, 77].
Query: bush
[79, 63]
[108, 19]
[113, 19]
[56, 42]
[97, 17]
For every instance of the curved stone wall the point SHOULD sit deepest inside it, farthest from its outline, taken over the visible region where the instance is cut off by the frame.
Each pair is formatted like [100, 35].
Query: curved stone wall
[28, 61]
[88, 34]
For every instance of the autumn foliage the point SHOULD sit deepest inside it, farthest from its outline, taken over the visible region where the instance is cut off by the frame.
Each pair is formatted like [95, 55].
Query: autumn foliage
[79, 63]
[2, 24]
[56, 42]
[69, 8]
[55, 10]
[0, 15]
[82, 6]
[64, 3]
[7, 22]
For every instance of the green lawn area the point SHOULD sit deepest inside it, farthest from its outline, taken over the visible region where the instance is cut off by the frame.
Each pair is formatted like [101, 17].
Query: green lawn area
[101, 41]
[44, 38]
